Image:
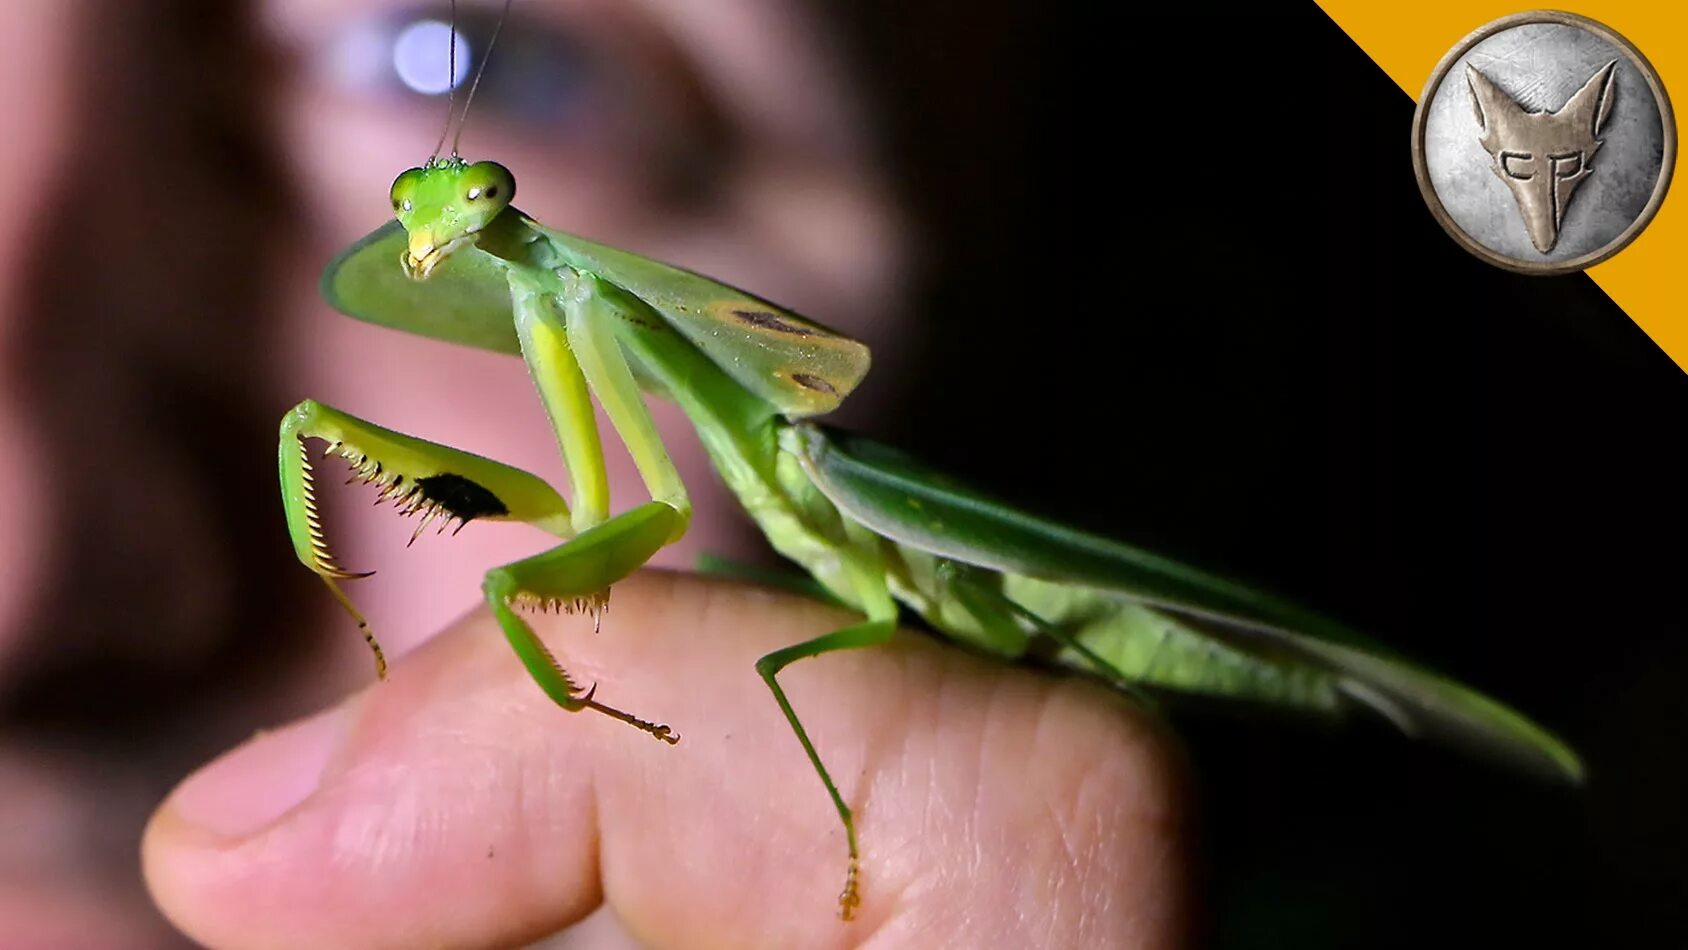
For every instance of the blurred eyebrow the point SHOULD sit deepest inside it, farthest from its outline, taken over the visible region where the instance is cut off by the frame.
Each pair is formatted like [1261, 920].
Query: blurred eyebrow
[312, 19]
[766, 63]
[771, 64]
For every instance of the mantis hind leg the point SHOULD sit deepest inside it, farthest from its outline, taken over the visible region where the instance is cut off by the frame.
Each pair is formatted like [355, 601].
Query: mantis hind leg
[971, 589]
[576, 575]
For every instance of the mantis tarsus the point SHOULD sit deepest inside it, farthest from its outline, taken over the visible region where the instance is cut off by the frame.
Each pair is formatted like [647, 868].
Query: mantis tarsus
[874, 528]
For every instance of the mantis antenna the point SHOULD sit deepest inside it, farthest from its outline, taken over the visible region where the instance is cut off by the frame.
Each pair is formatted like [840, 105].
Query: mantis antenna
[450, 85]
[480, 71]
[451, 82]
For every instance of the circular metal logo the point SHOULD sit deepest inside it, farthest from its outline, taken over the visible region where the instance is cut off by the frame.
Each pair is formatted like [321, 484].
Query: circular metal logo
[1544, 142]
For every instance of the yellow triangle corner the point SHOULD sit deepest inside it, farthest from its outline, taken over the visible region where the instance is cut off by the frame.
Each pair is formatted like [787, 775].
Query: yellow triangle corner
[1643, 278]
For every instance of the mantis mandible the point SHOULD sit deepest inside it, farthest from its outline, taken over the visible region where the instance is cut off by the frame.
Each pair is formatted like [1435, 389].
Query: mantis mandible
[876, 530]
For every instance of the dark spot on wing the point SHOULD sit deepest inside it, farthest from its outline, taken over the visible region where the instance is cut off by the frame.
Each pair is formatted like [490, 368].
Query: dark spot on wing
[642, 323]
[460, 497]
[814, 382]
[772, 321]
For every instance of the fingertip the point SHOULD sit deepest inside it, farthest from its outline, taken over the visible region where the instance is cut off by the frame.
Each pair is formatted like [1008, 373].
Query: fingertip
[191, 848]
[254, 785]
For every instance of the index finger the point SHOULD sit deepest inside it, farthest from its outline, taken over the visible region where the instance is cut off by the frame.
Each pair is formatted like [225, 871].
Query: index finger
[455, 805]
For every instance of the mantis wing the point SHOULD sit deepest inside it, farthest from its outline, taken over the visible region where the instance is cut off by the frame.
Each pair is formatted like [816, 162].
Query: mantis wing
[799, 366]
[870, 481]
[466, 300]
[796, 364]
[899, 499]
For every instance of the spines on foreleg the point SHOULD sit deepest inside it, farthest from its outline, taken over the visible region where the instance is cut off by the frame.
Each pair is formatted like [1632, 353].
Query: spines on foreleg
[433, 482]
[322, 560]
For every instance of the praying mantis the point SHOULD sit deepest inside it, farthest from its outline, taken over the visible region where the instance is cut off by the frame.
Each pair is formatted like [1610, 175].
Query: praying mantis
[876, 530]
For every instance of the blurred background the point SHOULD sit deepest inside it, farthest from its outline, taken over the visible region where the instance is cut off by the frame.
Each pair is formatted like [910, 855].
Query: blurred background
[1244, 342]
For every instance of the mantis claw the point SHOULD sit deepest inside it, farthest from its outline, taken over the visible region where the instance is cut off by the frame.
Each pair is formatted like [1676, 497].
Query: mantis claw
[849, 899]
[657, 730]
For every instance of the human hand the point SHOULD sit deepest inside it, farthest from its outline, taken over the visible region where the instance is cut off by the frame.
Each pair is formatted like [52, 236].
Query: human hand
[454, 805]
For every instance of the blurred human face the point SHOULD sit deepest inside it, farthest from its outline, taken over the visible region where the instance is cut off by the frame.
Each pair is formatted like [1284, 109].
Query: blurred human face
[54, 889]
[723, 137]
[36, 75]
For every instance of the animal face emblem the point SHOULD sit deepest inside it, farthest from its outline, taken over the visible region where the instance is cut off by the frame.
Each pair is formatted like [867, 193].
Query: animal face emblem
[1542, 156]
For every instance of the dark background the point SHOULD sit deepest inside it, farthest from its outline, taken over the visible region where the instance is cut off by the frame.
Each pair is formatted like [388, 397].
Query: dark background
[1192, 298]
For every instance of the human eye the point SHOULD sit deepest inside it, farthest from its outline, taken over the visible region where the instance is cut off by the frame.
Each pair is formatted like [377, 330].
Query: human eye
[588, 97]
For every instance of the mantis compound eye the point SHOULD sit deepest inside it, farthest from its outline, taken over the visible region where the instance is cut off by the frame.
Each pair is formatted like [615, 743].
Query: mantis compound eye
[488, 181]
[403, 190]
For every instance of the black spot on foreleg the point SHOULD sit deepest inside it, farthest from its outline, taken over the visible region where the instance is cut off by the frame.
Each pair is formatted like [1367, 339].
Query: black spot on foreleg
[459, 497]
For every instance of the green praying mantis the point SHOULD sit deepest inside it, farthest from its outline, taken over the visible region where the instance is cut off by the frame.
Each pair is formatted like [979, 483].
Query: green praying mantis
[877, 531]
[872, 527]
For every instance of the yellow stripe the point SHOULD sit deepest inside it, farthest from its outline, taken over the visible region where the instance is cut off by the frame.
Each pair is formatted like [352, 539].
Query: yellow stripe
[1408, 42]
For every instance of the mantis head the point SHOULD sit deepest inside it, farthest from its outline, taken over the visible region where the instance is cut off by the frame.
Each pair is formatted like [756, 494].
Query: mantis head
[444, 204]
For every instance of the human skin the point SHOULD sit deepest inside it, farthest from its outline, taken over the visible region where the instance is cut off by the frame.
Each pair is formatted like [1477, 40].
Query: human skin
[454, 805]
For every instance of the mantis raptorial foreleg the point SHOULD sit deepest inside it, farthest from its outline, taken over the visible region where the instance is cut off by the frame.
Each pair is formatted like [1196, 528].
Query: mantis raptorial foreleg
[590, 318]
[423, 479]
[570, 357]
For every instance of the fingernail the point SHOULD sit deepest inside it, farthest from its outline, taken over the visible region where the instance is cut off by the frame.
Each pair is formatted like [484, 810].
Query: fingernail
[239, 794]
